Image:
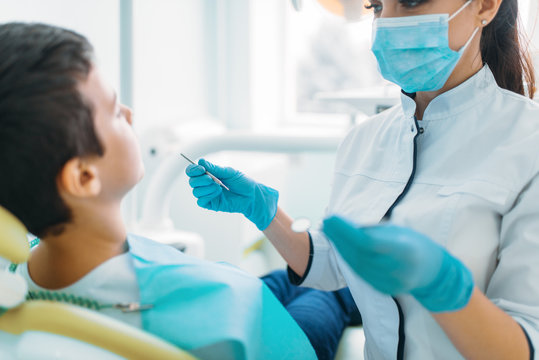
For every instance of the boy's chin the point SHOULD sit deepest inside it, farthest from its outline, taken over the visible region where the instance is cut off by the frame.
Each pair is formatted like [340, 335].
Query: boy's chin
[142, 172]
[136, 182]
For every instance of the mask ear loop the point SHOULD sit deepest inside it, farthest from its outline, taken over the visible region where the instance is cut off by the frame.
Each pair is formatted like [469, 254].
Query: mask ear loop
[459, 10]
[463, 49]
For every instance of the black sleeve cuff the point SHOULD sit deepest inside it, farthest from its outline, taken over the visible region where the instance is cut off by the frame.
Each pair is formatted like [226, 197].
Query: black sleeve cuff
[294, 278]
[532, 350]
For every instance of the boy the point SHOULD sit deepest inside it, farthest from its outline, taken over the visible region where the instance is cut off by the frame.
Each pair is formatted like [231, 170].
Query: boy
[69, 156]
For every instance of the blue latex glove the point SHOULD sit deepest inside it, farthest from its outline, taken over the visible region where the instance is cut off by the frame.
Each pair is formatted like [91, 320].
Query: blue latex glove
[397, 260]
[257, 202]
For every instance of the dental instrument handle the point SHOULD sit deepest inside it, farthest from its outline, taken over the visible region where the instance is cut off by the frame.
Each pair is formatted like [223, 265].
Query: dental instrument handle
[217, 180]
[214, 178]
[256, 201]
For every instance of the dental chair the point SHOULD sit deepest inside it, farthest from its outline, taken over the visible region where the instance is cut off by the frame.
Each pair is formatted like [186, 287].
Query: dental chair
[51, 330]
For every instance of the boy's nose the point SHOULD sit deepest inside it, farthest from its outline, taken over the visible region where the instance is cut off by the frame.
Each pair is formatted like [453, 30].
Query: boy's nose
[129, 115]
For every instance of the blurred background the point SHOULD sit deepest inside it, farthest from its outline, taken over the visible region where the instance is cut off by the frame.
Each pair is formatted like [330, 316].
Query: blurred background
[252, 84]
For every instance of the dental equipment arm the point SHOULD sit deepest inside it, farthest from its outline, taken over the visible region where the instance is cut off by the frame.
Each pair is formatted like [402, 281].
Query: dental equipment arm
[157, 200]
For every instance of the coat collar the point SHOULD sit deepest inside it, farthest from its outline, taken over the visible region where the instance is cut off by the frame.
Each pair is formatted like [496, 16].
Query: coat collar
[465, 96]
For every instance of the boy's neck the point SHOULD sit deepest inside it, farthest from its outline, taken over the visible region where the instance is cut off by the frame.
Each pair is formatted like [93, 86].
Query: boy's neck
[88, 241]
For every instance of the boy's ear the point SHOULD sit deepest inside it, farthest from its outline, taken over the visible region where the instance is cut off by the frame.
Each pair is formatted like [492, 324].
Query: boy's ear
[79, 178]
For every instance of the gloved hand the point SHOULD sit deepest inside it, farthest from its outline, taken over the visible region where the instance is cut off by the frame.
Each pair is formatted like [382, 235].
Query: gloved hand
[398, 260]
[257, 202]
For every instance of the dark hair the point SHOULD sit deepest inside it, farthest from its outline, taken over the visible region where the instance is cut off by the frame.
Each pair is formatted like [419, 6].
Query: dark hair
[503, 51]
[44, 121]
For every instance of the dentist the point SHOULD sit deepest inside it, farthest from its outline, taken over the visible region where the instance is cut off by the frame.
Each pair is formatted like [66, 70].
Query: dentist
[451, 177]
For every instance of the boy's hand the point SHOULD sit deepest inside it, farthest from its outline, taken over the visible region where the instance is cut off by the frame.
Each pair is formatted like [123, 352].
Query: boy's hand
[398, 260]
[257, 202]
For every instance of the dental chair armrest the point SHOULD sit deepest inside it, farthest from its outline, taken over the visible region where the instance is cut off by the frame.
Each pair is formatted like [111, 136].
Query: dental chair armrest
[90, 327]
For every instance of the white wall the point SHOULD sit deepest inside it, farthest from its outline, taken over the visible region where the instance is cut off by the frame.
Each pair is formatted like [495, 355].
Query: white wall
[170, 65]
[268, 32]
[96, 19]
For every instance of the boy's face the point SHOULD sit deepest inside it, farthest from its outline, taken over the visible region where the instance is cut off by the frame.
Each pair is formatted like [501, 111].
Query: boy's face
[120, 168]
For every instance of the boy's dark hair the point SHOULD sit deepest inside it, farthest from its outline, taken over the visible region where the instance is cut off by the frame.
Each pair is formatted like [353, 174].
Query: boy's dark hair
[44, 121]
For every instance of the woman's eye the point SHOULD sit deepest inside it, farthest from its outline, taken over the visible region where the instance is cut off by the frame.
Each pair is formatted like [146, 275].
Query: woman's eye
[377, 8]
[411, 3]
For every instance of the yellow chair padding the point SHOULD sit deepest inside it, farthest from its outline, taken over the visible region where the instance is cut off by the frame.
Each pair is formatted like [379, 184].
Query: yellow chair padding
[90, 327]
[13, 242]
[72, 321]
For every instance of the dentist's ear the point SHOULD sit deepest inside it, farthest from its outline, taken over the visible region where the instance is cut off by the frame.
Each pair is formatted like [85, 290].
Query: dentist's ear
[487, 11]
[79, 179]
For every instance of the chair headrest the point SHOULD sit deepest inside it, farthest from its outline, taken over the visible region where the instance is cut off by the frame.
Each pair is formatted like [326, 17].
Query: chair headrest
[13, 242]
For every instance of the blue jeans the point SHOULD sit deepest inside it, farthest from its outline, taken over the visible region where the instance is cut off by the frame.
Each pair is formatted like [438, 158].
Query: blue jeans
[322, 315]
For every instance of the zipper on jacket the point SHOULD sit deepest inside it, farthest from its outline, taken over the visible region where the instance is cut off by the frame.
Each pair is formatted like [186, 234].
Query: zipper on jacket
[402, 338]
[419, 131]
[402, 335]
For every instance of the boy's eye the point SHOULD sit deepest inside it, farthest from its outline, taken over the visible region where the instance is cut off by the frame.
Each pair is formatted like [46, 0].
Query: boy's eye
[377, 8]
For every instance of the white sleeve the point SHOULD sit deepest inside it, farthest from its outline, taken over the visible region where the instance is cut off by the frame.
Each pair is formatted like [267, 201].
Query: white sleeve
[514, 286]
[323, 271]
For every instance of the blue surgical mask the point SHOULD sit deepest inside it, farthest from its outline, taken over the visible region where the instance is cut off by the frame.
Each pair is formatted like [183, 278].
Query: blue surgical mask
[413, 52]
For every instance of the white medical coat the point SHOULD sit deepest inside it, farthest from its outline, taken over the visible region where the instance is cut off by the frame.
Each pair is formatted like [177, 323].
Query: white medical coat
[473, 187]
